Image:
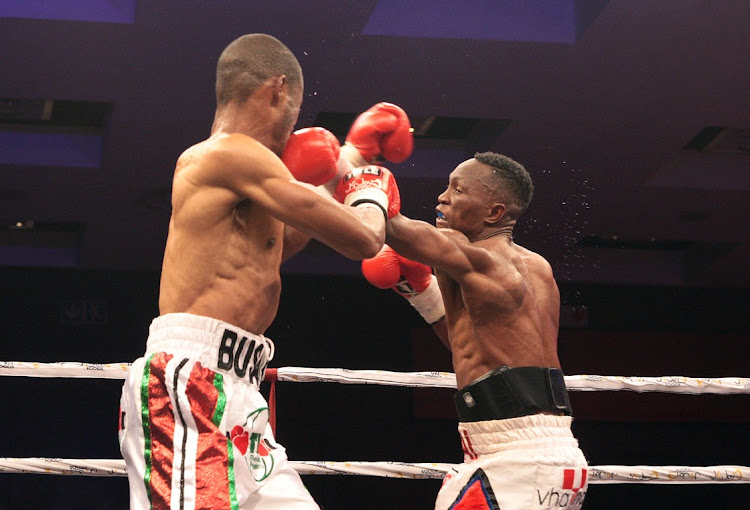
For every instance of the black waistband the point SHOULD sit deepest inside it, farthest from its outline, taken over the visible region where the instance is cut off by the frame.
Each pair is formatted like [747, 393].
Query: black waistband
[512, 392]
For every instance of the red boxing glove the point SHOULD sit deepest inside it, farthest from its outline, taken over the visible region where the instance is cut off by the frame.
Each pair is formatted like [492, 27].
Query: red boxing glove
[311, 154]
[388, 269]
[416, 277]
[384, 269]
[370, 184]
[410, 279]
[383, 130]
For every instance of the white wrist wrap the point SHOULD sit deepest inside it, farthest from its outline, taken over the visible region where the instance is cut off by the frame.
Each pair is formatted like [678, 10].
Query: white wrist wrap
[374, 207]
[429, 302]
[368, 195]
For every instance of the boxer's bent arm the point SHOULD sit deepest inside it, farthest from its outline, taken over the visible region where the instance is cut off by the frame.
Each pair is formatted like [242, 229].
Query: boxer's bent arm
[252, 171]
[294, 242]
[331, 222]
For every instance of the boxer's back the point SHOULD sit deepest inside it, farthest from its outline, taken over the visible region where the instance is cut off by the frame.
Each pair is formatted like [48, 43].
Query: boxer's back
[223, 253]
[504, 313]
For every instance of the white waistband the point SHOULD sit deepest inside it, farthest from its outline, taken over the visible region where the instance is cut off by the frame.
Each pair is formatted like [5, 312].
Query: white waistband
[523, 432]
[218, 345]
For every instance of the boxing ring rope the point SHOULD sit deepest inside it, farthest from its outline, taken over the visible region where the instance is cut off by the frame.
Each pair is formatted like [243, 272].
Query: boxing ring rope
[669, 384]
[597, 474]
[423, 470]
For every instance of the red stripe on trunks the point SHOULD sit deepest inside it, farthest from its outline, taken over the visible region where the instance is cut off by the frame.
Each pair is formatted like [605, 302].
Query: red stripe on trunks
[212, 456]
[161, 426]
[468, 447]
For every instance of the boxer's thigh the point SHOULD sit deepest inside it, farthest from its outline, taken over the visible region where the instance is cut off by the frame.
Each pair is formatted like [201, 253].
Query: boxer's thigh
[494, 483]
[283, 490]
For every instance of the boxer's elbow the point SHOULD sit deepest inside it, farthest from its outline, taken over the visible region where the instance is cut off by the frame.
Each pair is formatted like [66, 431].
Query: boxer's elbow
[370, 239]
[369, 246]
[373, 246]
[365, 245]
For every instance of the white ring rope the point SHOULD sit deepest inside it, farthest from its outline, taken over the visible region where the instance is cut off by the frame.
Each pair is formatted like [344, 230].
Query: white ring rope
[668, 384]
[424, 470]
[597, 474]
[65, 369]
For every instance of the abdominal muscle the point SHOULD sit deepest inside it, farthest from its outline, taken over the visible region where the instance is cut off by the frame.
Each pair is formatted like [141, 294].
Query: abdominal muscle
[477, 352]
[499, 320]
[250, 306]
[228, 270]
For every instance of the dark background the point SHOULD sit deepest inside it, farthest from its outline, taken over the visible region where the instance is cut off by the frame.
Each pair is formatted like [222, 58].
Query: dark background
[344, 322]
[632, 117]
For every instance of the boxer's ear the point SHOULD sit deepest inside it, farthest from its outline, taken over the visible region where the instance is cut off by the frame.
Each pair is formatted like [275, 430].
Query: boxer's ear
[279, 89]
[496, 211]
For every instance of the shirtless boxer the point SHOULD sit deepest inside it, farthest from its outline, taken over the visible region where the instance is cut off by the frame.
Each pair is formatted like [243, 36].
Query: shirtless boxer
[501, 306]
[194, 427]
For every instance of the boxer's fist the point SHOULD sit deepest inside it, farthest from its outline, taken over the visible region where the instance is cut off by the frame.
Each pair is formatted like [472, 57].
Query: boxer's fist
[388, 269]
[311, 154]
[416, 277]
[383, 270]
[410, 279]
[383, 130]
[370, 184]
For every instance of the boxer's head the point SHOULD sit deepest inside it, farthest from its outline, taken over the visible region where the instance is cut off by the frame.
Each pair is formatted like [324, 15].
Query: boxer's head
[251, 60]
[256, 62]
[508, 182]
[489, 190]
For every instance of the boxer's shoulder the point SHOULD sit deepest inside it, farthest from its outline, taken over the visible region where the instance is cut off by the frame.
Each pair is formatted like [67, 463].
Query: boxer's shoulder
[224, 158]
[533, 259]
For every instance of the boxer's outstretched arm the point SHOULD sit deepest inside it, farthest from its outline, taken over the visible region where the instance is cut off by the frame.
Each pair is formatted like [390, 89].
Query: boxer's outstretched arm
[355, 232]
[446, 250]
[253, 172]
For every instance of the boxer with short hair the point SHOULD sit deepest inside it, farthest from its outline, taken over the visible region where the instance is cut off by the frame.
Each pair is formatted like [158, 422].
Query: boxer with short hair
[194, 427]
[501, 316]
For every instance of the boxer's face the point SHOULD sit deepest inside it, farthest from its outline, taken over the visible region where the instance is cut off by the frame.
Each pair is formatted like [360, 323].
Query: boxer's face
[464, 205]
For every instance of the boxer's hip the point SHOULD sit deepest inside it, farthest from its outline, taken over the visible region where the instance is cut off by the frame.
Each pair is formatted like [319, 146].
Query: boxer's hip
[513, 392]
[533, 432]
[215, 344]
[530, 462]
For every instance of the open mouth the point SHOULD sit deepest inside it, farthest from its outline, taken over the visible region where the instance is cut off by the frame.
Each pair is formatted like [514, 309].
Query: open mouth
[439, 218]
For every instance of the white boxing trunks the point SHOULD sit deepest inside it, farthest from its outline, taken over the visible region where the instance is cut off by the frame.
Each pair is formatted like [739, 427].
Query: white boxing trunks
[194, 426]
[529, 462]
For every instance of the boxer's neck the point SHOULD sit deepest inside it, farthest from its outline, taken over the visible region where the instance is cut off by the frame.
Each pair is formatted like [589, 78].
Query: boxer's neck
[506, 231]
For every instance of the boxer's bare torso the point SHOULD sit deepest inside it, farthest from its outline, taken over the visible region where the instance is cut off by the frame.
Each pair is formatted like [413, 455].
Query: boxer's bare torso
[223, 251]
[505, 311]
[235, 208]
[501, 300]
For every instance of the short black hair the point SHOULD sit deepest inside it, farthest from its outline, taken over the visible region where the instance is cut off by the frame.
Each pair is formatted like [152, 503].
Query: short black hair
[514, 180]
[248, 62]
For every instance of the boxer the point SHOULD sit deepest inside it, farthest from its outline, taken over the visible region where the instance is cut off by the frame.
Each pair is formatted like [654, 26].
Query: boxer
[501, 315]
[193, 427]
